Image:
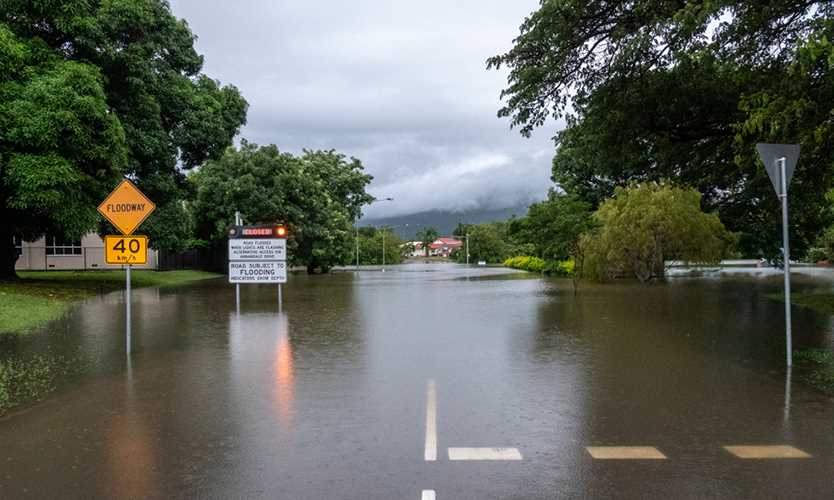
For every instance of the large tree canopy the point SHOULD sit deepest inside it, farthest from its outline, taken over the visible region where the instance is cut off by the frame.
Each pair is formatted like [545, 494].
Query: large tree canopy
[60, 147]
[683, 90]
[92, 90]
[318, 194]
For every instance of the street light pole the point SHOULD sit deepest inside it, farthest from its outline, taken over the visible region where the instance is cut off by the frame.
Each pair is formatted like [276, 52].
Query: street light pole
[467, 248]
[356, 234]
[356, 238]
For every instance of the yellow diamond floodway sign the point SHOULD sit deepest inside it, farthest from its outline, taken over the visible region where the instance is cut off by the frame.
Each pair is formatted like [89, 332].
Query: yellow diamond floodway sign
[126, 207]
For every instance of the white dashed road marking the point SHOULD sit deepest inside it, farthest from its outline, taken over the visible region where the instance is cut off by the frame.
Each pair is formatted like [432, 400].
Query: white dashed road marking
[431, 424]
[766, 451]
[625, 453]
[428, 495]
[484, 454]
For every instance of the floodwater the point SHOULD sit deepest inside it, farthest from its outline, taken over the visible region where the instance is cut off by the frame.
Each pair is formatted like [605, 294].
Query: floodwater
[331, 397]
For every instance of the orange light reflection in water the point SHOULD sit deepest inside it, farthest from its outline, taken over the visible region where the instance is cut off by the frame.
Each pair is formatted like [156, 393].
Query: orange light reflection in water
[284, 375]
[131, 459]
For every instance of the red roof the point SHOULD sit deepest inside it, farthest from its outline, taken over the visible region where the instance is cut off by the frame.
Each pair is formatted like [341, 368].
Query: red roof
[446, 242]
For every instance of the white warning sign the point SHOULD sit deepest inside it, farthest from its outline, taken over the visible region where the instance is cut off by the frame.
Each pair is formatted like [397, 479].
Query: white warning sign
[258, 249]
[258, 272]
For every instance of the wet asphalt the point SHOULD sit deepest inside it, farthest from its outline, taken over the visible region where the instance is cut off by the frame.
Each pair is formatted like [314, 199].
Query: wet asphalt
[330, 398]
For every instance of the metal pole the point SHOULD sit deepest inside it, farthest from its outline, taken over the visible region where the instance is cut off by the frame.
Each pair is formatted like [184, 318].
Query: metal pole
[787, 412]
[787, 258]
[356, 239]
[237, 285]
[127, 307]
[383, 250]
[467, 248]
[280, 298]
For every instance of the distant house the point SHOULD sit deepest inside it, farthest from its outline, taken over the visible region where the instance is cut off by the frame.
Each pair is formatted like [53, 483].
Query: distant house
[443, 247]
[55, 253]
[417, 249]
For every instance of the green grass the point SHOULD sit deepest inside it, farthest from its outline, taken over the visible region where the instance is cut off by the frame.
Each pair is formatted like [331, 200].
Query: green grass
[42, 296]
[816, 368]
[820, 301]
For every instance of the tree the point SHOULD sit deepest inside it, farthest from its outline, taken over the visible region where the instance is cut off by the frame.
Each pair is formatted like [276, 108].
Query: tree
[683, 90]
[553, 226]
[427, 237]
[92, 90]
[61, 149]
[318, 195]
[488, 242]
[645, 225]
[461, 230]
[370, 247]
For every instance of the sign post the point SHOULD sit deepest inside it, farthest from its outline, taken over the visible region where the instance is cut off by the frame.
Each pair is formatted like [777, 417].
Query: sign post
[126, 208]
[258, 254]
[238, 222]
[780, 162]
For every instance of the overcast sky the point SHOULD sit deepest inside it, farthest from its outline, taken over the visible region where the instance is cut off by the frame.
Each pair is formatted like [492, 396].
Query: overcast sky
[401, 85]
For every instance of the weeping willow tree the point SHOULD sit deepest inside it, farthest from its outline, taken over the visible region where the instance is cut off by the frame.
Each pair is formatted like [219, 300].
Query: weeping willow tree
[644, 226]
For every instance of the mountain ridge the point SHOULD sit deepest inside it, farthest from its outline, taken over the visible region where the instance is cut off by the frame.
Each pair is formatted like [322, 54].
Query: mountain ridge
[445, 221]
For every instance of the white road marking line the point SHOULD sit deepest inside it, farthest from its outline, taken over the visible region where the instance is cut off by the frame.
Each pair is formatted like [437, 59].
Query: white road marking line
[431, 424]
[625, 453]
[428, 495]
[766, 451]
[484, 454]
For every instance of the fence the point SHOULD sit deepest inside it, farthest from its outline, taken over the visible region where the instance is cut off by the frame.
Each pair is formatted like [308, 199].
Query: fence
[212, 258]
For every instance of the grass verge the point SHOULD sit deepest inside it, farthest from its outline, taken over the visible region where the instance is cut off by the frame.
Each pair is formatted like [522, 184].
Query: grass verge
[42, 296]
[822, 302]
[27, 374]
[816, 368]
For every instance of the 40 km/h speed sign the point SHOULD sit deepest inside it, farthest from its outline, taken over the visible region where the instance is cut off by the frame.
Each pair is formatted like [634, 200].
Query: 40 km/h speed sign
[126, 249]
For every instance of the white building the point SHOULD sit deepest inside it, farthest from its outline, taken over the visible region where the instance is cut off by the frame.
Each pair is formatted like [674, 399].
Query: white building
[50, 253]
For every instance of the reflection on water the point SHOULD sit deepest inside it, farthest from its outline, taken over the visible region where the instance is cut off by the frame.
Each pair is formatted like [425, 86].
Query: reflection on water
[283, 372]
[248, 334]
[327, 400]
[131, 455]
[131, 460]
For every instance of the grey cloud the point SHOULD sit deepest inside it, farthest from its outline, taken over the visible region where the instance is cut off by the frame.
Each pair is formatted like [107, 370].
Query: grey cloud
[400, 85]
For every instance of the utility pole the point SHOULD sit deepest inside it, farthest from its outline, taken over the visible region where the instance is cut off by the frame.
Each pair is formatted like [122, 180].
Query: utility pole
[467, 248]
[383, 249]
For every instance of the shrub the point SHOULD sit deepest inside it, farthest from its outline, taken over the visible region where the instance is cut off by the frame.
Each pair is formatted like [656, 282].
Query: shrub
[560, 267]
[826, 244]
[816, 254]
[537, 265]
[645, 225]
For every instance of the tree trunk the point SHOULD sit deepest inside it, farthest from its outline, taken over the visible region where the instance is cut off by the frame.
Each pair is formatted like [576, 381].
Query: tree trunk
[8, 254]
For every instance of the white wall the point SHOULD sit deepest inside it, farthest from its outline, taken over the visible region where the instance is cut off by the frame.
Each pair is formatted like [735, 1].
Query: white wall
[33, 257]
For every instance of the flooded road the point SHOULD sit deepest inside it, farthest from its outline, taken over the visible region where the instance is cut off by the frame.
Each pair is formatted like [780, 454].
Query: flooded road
[472, 383]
